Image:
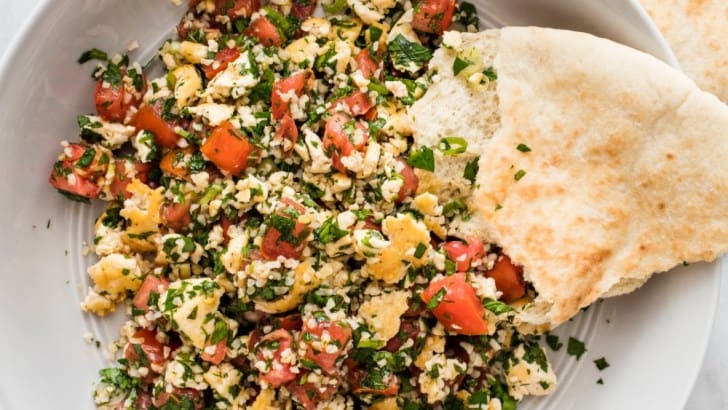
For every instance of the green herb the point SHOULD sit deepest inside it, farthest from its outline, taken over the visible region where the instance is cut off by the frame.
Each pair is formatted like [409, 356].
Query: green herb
[423, 158]
[329, 231]
[333, 6]
[437, 299]
[196, 163]
[112, 75]
[459, 65]
[575, 348]
[601, 363]
[544, 385]
[377, 88]
[452, 145]
[535, 354]
[454, 208]
[420, 250]
[496, 306]
[600, 381]
[404, 52]
[118, 378]
[87, 158]
[285, 27]
[490, 74]
[523, 148]
[519, 174]
[370, 344]
[74, 197]
[469, 15]
[220, 333]
[471, 170]
[263, 90]
[92, 54]
[553, 342]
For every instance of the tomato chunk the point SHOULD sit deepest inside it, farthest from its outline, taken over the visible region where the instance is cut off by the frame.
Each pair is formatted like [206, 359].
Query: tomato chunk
[79, 170]
[149, 118]
[464, 253]
[325, 351]
[265, 31]
[355, 104]
[303, 9]
[227, 148]
[117, 186]
[176, 215]
[280, 103]
[109, 101]
[286, 236]
[457, 306]
[218, 356]
[180, 399]
[366, 64]
[411, 182]
[269, 349]
[338, 143]
[508, 279]
[145, 347]
[222, 59]
[384, 383]
[310, 394]
[151, 284]
[172, 164]
[433, 16]
[288, 130]
[236, 8]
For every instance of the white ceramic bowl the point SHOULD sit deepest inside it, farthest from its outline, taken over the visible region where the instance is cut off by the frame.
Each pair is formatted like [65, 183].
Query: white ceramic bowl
[654, 339]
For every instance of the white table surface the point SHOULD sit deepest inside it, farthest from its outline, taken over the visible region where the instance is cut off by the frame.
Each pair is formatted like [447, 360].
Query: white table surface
[711, 389]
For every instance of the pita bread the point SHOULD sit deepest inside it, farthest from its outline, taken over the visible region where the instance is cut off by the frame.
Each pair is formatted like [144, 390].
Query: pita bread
[697, 31]
[627, 173]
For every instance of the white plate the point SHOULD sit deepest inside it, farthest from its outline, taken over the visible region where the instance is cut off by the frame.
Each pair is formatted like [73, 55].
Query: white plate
[654, 339]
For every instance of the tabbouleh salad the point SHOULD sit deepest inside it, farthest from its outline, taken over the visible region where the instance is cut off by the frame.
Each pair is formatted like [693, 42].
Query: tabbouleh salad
[265, 234]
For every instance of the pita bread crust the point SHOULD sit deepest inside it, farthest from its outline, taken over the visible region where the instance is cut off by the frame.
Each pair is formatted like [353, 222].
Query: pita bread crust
[697, 31]
[627, 174]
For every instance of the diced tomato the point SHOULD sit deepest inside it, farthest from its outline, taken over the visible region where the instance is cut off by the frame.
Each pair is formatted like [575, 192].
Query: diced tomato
[149, 118]
[433, 16]
[218, 356]
[355, 104]
[411, 182]
[458, 308]
[297, 82]
[269, 349]
[336, 141]
[409, 329]
[222, 59]
[508, 279]
[225, 223]
[265, 31]
[388, 386]
[84, 170]
[172, 165]
[109, 101]
[310, 394]
[180, 399]
[463, 254]
[176, 215]
[236, 8]
[151, 284]
[366, 64]
[288, 130]
[117, 186]
[149, 349]
[228, 148]
[290, 245]
[289, 322]
[303, 9]
[317, 350]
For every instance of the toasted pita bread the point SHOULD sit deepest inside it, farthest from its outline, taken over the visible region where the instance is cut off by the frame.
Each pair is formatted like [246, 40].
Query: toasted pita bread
[627, 173]
[697, 31]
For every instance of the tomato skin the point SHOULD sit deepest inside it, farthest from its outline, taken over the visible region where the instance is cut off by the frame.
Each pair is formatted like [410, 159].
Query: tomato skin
[227, 148]
[279, 373]
[288, 130]
[109, 102]
[222, 58]
[117, 186]
[308, 394]
[296, 82]
[169, 165]
[176, 215]
[303, 9]
[218, 356]
[508, 279]
[151, 284]
[433, 16]
[265, 31]
[273, 247]
[176, 397]
[391, 381]
[149, 118]
[409, 328]
[336, 142]
[237, 8]
[464, 253]
[289, 322]
[85, 178]
[340, 334]
[152, 348]
[355, 104]
[460, 309]
[411, 182]
[366, 64]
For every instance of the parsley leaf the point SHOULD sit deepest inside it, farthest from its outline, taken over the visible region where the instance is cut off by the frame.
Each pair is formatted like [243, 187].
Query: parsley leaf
[404, 53]
[553, 342]
[423, 158]
[437, 299]
[519, 174]
[471, 170]
[523, 148]
[92, 54]
[575, 348]
[496, 306]
[459, 65]
[329, 231]
[601, 363]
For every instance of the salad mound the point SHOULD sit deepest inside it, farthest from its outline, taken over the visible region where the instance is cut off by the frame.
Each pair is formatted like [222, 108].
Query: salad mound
[266, 234]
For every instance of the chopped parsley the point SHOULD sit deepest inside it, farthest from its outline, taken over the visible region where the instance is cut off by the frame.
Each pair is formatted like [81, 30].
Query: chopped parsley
[553, 342]
[523, 148]
[519, 174]
[404, 52]
[437, 299]
[496, 306]
[459, 65]
[92, 54]
[471, 170]
[601, 363]
[329, 231]
[423, 158]
[575, 348]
